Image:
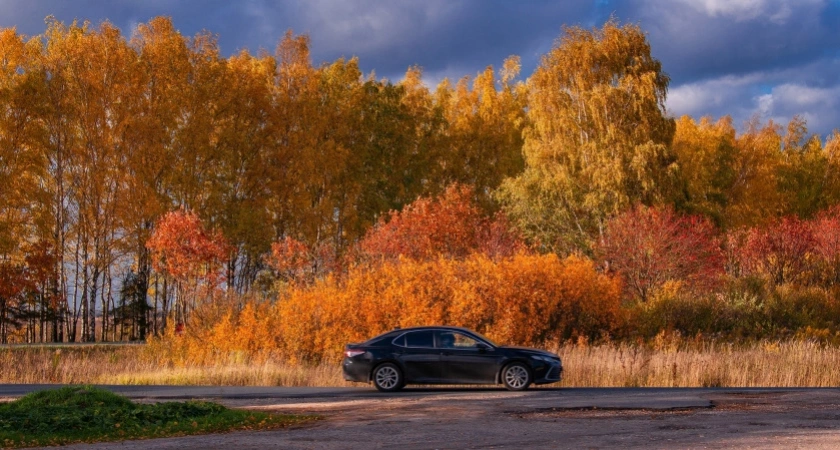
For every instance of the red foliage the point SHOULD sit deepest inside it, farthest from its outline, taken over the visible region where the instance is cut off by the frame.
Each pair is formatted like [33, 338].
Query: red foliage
[451, 226]
[296, 262]
[13, 282]
[289, 255]
[290, 258]
[42, 273]
[181, 247]
[650, 246]
[34, 277]
[826, 232]
[499, 239]
[780, 251]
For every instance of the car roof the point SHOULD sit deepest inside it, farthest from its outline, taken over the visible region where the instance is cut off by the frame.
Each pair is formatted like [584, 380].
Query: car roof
[434, 327]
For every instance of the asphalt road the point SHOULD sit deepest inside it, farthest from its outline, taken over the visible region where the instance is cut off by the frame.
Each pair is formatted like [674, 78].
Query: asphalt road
[492, 418]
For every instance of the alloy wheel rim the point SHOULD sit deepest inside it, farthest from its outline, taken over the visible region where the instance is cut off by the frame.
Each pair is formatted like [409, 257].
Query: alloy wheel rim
[516, 376]
[387, 377]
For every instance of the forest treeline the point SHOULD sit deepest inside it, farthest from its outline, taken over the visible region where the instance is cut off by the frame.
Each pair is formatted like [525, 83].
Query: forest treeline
[150, 182]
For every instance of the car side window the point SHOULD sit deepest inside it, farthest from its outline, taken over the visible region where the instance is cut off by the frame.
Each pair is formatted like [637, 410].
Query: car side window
[456, 340]
[400, 341]
[464, 341]
[420, 339]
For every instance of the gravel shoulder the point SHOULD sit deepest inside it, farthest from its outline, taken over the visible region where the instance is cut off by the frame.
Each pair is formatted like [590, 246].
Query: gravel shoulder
[550, 418]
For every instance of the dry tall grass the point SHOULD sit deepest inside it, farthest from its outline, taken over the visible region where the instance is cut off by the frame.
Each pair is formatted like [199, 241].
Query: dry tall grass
[774, 364]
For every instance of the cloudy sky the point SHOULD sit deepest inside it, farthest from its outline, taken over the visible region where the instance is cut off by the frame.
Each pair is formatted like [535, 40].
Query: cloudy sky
[774, 58]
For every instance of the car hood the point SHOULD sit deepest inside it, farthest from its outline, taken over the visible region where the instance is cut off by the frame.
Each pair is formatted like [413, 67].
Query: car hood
[529, 350]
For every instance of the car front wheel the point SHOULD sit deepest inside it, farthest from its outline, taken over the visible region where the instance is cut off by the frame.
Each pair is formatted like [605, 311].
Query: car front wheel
[387, 377]
[516, 377]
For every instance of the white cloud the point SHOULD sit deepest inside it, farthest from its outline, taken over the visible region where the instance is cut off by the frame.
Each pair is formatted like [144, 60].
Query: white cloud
[767, 95]
[764, 105]
[706, 95]
[366, 28]
[820, 106]
[777, 11]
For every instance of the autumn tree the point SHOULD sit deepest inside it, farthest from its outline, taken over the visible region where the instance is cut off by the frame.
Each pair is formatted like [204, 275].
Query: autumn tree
[240, 206]
[20, 165]
[482, 142]
[652, 246]
[192, 256]
[781, 251]
[103, 82]
[831, 182]
[805, 175]
[163, 62]
[130, 315]
[395, 144]
[293, 261]
[826, 230]
[706, 153]
[12, 286]
[754, 196]
[451, 225]
[598, 138]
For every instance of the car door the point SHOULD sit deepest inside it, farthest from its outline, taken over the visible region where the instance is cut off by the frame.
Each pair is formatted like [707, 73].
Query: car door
[419, 356]
[465, 360]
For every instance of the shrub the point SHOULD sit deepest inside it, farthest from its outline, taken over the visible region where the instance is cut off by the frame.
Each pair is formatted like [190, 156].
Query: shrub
[792, 308]
[826, 231]
[451, 226]
[782, 252]
[524, 300]
[650, 247]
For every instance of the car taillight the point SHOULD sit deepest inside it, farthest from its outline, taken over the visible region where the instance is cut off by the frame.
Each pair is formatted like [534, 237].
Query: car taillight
[353, 353]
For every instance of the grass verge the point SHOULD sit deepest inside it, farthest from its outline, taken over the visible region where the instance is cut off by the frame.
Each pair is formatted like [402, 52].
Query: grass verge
[86, 414]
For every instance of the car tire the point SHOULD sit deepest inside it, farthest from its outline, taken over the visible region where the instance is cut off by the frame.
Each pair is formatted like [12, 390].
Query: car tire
[516, 377]
[387, 377]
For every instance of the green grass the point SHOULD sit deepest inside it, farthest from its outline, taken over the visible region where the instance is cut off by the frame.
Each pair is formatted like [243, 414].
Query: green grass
[87, 414]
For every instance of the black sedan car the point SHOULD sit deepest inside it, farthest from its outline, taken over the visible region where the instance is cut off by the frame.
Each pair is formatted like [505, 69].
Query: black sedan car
[446, 355]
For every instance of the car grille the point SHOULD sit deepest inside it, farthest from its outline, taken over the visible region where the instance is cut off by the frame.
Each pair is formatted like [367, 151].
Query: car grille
[553, 374]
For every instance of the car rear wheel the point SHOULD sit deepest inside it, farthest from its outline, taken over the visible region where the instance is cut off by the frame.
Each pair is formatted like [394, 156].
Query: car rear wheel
[387, 377]
[516, 377]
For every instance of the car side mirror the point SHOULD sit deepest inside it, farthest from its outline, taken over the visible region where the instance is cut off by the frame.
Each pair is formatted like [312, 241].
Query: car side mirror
[481, 346]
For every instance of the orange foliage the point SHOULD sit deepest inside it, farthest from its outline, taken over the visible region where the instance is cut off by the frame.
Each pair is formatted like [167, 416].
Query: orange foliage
[523, 300]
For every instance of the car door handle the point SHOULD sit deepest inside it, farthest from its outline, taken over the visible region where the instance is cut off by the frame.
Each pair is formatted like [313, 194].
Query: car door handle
[446, 353]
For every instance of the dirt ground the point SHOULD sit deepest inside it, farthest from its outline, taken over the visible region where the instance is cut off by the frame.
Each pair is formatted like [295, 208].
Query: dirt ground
[547, 418]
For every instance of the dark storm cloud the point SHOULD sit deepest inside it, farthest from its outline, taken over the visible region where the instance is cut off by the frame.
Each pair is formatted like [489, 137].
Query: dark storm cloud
[445, 37]
[699, 39]
[229, 20]
[771, 58]
[388, 36]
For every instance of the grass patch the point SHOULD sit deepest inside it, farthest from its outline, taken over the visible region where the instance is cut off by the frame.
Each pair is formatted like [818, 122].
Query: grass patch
[87, 414]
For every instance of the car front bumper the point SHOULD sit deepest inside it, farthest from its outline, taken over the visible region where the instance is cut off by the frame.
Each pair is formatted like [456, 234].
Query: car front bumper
[550, 374]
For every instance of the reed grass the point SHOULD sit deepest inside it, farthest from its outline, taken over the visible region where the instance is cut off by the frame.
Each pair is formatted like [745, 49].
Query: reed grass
[709, 364]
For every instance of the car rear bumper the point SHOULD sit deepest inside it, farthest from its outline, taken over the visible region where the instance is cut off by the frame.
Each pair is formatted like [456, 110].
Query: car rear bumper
[356, 370]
